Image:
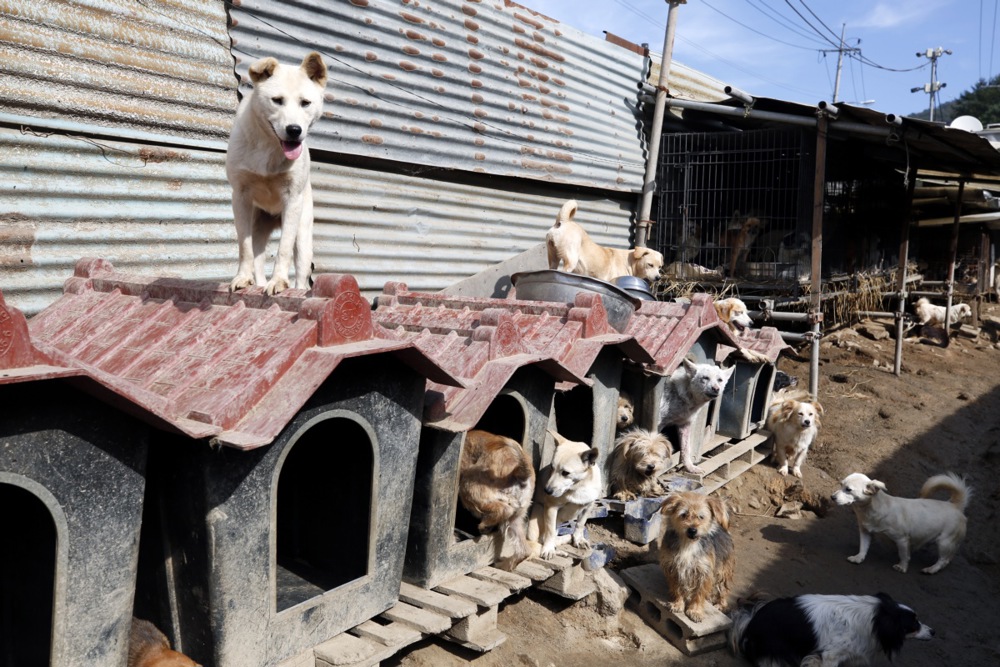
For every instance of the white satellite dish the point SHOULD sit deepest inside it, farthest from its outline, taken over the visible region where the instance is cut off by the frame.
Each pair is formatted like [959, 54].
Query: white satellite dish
[967, 123]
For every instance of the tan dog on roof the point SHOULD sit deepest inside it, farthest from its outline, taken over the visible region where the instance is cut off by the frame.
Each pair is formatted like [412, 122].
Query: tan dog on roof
[567, 242]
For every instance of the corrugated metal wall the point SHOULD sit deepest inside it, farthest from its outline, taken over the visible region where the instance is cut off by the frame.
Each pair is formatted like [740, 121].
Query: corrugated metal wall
[479, 86]
[114, 115]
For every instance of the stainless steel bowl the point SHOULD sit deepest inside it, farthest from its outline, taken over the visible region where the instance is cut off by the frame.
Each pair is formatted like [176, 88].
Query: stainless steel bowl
[559, 286]
[635, 286]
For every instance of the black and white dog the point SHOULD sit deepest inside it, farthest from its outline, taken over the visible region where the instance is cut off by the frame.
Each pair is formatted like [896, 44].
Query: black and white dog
[824, 630]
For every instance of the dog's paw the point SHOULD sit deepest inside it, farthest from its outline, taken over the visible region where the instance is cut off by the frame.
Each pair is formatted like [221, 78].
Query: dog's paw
[783, 470]
[581, 543]
[624, 495]
[676, 606]
[241, 282]
[693, 469]
[276, 286]
[900, 567]
[797, 471]
[548, 552]
[856, 559]
[696, 615]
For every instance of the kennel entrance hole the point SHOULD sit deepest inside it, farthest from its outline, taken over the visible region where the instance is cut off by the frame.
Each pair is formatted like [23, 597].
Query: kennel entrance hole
[324, 511]
[505, 417]
[575, 414]
[27, 578]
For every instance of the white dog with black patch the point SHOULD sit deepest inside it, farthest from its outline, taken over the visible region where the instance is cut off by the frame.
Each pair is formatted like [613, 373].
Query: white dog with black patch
[267, 163]
[688, 388]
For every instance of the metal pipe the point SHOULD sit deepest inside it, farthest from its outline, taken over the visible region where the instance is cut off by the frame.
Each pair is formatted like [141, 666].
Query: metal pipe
[796, 337]
[819, 182]
[738, 94]
[782, 317]
[904, 252]
[828, 108]
[893, 119]
[874, 313]
[952, 259]
[659, 108]
[777, 116]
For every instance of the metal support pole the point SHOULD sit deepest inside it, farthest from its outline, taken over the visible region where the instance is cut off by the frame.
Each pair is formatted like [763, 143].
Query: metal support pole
[904, 252]
[953, 256]
[819, 190]
[659, 108]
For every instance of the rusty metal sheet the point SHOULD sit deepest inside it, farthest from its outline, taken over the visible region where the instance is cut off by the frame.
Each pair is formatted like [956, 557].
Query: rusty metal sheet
[201, 359]
[159, 67]
[484, 87]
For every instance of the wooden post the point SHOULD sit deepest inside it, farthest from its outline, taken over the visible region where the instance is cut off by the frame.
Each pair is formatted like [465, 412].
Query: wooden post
[953, 255]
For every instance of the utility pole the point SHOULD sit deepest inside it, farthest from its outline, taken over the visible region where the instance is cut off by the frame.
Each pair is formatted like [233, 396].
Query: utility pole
[935, 85]
[841, 50]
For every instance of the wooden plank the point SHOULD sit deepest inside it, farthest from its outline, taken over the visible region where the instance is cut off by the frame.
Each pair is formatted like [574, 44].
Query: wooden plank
[395, 635]
[421, 619]
[451, 606]
[513, 581]
[345, 649]
[483, 593]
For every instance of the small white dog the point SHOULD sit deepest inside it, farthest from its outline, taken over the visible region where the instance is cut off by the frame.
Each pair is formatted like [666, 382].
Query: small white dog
[688, 388]
[909, 522]
[267, 164]
[568, 242]
[793, 425]
[734, 313]
[566, 489]
[928, 313]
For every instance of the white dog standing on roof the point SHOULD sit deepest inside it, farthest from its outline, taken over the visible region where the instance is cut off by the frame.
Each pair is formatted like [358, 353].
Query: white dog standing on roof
[267, 164]
[688, 388]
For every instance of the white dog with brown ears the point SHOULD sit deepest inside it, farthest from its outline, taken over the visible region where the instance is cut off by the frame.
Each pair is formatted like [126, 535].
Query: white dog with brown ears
[909, 522]
[794, 425]
[566, 241]
[267, 164]
[566, 489]
[928, 313]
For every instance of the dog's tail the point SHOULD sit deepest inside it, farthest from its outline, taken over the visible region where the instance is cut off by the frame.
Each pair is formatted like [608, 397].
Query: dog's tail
[567, 212]
[953, 484]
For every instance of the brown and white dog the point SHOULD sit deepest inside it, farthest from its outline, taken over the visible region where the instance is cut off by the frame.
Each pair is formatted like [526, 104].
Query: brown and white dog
[626, 412]
[740, 235]
[794, 425]
[148, 647]
[639, 458]
[734, 314]
[696, 553]
[566, 489]
[496, 484]
[567, 242]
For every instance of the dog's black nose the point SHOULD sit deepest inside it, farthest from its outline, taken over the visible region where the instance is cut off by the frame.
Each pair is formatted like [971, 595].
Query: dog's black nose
[293, 131]
[692, 532]
[806, 422]
[649, 469]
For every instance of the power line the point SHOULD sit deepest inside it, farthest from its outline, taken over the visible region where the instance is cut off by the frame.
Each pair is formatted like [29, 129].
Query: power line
[781, 20]
[803, 3]
[797, 46]
[808, 23]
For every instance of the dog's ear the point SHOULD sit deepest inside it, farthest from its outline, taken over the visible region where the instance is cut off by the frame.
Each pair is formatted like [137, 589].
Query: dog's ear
[670, 503]
[589, 457]
[315, 68]
[263, 69]
[639, 253]
[719, 511]
[689, 365]
[555, 436]
[727, 373]
[724, 309]
[787, 410]
[873, 487]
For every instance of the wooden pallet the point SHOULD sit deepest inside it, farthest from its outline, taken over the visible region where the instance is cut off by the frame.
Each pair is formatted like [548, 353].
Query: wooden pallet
[726, 461]
[463, 610]
[653, 606]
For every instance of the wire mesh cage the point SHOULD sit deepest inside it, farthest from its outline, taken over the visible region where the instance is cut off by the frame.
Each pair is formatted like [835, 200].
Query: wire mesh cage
[729, 205]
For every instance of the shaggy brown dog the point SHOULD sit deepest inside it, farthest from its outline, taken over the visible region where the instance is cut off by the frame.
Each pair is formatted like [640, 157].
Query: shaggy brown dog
[148, 647]
[696, 552]
[739, 236]
[638, 460]
[626, 412]
[496, 483]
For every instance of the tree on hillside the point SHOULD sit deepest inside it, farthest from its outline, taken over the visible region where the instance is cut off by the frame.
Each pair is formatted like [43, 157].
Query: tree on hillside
[983, 102]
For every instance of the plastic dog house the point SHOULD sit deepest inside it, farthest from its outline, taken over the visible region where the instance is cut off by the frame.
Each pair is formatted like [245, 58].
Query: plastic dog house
[281, 474]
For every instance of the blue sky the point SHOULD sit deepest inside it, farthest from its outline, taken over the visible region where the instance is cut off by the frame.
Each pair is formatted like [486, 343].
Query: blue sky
[765, 48]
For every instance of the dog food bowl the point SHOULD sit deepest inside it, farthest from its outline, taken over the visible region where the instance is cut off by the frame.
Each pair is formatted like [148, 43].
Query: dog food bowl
[552, 285]
[635, 286]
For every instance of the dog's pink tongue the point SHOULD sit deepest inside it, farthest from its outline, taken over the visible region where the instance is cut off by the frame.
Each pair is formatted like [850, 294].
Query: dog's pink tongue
[291, 149]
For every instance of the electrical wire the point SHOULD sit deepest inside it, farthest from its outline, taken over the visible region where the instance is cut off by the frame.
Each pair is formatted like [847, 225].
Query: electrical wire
[828, 29]
[754, 30]
[781, 20]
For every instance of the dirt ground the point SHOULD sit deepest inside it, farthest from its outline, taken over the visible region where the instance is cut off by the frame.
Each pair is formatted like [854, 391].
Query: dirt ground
[942, 414]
